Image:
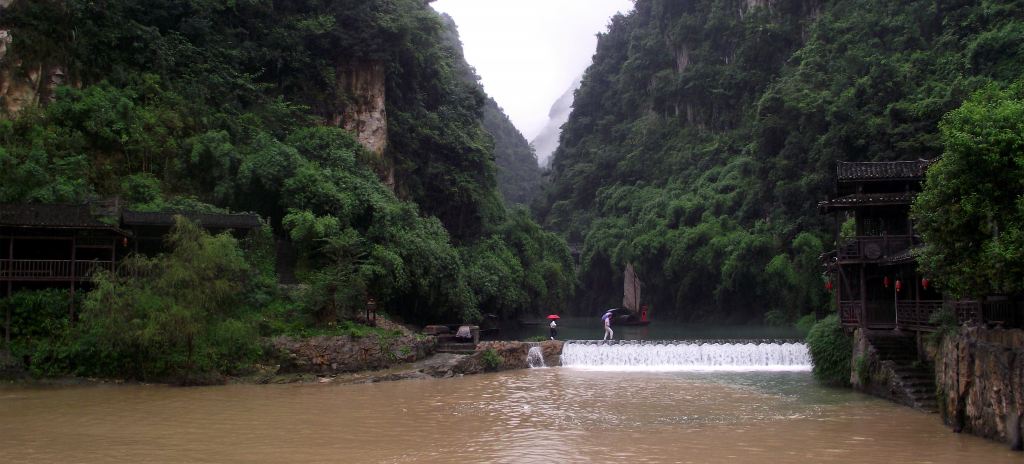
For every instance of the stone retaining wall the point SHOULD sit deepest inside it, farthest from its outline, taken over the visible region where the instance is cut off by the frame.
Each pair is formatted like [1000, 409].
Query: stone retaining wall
[980, 377]
[513, 354]
[333, 355]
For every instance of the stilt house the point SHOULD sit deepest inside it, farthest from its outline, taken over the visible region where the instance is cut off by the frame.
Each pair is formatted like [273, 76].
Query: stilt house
[873, 275]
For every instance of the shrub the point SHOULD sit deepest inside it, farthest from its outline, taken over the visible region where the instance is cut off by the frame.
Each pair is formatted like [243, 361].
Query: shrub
[831, 350]
[862, 369]
[491, 359]
[945, 325]
[805, 323]
[37, 313]
[187, 315]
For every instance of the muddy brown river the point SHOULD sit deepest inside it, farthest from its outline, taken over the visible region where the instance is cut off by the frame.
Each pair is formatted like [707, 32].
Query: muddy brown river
[537, 415]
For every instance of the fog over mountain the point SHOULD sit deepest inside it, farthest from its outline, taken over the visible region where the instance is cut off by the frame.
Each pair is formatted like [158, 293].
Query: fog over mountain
[546, 141]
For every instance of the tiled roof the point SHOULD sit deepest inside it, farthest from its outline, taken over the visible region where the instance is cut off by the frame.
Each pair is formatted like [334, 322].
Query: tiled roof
[867, 199]
[212, 220]
[49, 216]
[904, 256]
[882, 170]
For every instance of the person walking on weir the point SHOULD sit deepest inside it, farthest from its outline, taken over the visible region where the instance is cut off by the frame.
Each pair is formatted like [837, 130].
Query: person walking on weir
[608, 334]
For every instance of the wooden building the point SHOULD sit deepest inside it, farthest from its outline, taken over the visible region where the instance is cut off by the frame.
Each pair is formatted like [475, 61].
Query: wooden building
[63, 245]
[873, 274]
[52, 244]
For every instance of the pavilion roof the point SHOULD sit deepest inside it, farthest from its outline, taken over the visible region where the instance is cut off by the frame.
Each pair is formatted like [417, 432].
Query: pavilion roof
[867, 199]
[882, 170]
[50, 215]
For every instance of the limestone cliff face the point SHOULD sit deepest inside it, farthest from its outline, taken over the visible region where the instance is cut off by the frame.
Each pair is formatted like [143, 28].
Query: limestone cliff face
[980, 376]
[365, 115]
[23, 84]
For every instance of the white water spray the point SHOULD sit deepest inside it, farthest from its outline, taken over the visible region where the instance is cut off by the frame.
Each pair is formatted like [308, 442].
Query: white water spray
[535, 358]
[687, 356]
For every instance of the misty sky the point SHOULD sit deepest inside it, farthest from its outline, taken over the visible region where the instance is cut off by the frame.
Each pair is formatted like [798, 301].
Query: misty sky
[527, 52]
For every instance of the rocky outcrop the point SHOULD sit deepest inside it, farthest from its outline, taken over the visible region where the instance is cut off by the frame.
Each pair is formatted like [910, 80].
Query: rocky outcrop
[24, 84]
[887, 365]
[365, 115]
[333, 355]
[514, 354]
[980, 373]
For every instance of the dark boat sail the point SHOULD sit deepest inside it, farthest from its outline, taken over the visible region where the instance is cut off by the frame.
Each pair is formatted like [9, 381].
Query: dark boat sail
[634, 312]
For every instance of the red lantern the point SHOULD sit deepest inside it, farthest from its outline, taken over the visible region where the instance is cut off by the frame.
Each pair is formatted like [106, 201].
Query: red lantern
[899, 286]
[828, 285]
[885, 281]
[925, 282]
[124, 241]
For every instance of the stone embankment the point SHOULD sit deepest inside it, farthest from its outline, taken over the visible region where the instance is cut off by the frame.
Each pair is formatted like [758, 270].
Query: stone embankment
[514, 354]
[980, 376]
[372, 359]
[335, 355]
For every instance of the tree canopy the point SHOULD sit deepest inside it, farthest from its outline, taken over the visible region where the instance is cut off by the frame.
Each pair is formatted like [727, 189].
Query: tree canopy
[971, 212]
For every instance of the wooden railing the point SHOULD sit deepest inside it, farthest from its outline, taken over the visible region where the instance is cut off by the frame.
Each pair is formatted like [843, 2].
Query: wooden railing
[849, 312]
[912, 314]
[50, 270]
[873, 248]
[918, 314]
[967, 311]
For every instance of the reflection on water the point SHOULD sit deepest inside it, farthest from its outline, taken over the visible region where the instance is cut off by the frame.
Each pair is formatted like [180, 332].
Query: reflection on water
[539, 415]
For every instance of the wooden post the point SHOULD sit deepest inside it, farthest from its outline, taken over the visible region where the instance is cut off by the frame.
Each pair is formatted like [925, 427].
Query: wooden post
[71, 309]
[10, 288]
[7, 321]
[863, 298]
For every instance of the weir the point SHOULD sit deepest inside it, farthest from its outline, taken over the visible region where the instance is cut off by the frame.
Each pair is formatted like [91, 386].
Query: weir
[687, 355]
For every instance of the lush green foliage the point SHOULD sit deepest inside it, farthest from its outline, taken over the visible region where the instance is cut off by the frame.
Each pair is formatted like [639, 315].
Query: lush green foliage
[40, 327]
[177, 316]
[971, 212]
[706, 131]
[491, 359]
[831, 350]
[217, 105]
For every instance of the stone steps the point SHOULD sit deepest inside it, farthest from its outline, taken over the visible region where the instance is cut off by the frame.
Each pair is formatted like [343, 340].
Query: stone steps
[457, 348]
[916, 379]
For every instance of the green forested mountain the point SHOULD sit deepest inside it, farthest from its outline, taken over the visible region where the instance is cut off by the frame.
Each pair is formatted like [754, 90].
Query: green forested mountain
[705, 132]
[228, 105]
[519, 176]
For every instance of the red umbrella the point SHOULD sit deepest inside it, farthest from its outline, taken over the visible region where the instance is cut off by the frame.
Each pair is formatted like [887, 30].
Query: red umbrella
[553, 316]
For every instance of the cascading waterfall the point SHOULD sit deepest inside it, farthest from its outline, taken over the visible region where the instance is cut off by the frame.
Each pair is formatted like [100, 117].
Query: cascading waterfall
[535, 357]
[696, 355]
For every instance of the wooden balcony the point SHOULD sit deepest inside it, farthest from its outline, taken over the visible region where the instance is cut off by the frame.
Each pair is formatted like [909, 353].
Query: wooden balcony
[876, 248]
[849, 312]
[40, 270]
[911, 314]
[917, 314]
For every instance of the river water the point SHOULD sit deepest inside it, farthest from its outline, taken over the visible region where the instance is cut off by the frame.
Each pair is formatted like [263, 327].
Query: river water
[536, 415]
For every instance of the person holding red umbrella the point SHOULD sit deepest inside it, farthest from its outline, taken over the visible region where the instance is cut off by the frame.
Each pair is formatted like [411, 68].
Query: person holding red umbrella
[554, 326]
